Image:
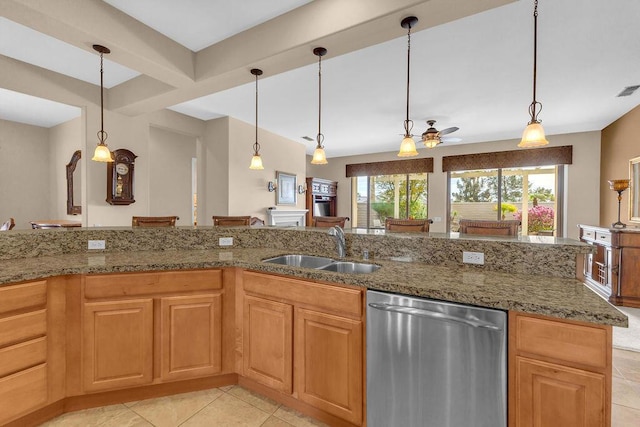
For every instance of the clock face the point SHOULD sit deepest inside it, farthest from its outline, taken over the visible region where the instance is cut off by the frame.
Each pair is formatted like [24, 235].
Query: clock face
[122, 169]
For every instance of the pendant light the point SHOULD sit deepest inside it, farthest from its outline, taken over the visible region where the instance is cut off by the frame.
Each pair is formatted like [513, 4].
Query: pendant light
[256, 160]
[533, 135]
[102, 153]
[319, 157]
[408, 145]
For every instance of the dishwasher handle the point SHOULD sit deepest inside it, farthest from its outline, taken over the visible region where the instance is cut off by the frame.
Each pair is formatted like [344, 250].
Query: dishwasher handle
[434, 315]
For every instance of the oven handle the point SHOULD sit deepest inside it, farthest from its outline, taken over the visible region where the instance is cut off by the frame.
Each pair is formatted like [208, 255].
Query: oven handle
[433, 315]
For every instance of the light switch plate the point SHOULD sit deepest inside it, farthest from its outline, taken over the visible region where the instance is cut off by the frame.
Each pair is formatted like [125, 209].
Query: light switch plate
[225, 241]
[473, 257]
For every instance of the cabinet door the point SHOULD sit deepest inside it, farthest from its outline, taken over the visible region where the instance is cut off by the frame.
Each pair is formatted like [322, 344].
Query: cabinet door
[267, 342]
[190, 336]
[328, 363]
[549, 395]
[117, 344]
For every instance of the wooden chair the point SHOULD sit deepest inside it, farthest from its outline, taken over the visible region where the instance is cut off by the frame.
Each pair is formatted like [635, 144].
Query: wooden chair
[407, 225]
[8, 225]
[229, 221]
[154, 221]
[329, 221]
[489, 228]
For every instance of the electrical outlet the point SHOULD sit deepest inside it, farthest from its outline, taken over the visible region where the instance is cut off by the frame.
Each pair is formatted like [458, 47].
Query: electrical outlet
[225, 241]
[473, 257]
[437, 219]
[96, 244]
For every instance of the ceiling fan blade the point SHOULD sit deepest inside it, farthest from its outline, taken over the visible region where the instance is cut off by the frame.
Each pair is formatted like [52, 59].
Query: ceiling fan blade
[448, 130]
[453, 139]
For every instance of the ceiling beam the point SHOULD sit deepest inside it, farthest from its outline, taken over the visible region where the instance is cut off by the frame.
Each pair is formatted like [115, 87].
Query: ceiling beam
[88, 22]
[286, 42]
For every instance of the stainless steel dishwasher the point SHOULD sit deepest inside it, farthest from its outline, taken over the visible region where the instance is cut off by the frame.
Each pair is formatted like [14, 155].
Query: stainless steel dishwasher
[434, 364]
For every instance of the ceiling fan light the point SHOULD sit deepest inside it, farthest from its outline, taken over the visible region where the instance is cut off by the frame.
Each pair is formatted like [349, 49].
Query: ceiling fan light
[256, 162]
[102, 154]
[533, 136]
[431, 142]
[319, 158]
[407, 147]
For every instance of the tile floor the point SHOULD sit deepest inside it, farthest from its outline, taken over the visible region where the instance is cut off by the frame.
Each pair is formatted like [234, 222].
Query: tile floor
[236, 406]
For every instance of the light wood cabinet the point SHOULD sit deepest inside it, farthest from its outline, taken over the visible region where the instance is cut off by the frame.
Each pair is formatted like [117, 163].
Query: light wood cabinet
[559, 373]
[118, 344]
[148, 328]
[268, 343]
[328, 363]
[190, 336]
[310, 332]
[24, 384]
[555, 395]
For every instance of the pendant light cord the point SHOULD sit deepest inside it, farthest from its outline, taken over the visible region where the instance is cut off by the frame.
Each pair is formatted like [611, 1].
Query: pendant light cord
[256, 146]
[320, 136]
[535, 104]
[102, 135]
[408, 124]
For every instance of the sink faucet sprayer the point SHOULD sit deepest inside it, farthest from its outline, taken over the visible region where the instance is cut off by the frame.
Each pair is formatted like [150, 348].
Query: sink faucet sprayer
[338, 233]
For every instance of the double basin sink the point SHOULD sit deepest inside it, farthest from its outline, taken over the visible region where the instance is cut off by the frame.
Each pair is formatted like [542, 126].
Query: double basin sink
[323, 263]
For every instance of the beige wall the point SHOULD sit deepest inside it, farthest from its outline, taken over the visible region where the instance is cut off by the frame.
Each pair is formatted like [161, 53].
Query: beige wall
[65, 139]
[248, 193]
[620, 143]
[171, 155]
[25, 171]
[582, 176]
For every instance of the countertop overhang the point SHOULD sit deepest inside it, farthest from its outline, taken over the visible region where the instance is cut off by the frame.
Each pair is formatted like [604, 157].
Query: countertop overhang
[566, 298]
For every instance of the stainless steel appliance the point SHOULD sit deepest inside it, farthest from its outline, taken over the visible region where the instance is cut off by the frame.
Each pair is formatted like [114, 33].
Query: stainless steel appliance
[434, 364]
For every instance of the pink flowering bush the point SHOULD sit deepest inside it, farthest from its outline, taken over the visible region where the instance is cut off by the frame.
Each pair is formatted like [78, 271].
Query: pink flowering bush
[540, 218]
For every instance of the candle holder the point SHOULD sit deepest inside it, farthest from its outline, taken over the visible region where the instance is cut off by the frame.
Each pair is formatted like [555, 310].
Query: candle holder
[619, 185]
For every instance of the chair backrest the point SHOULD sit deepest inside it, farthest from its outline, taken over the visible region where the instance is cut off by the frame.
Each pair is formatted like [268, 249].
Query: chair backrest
[231, 220]
[8, 225]
[489, 228]
[329, 221]
[154, 221]
[407, 225]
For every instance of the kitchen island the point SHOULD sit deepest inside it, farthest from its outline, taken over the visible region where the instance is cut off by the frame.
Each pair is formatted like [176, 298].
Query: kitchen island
[135, 276]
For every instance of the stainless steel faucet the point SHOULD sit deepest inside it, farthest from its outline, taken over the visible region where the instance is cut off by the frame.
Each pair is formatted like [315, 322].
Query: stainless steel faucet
[341, 245]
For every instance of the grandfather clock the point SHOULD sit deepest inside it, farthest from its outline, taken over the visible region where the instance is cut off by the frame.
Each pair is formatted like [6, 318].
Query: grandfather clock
[120, 178]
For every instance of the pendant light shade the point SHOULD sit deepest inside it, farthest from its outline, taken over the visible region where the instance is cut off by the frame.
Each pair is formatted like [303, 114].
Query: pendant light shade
[319, 156]
[102, 152]
[256, 160]
[533, 135]
[408, 145]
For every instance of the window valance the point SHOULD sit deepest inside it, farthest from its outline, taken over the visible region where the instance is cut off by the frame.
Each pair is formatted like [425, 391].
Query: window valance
[509, 159]
[392, 167]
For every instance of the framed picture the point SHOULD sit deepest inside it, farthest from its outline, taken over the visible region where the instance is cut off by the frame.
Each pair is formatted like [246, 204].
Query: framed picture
[286, 191]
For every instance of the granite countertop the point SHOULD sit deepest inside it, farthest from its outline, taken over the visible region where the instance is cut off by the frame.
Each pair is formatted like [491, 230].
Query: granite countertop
[560, 297]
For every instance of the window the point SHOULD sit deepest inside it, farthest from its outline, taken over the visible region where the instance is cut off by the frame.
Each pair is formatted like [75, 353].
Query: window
[524, 185]
[388, 196]
[528, 194]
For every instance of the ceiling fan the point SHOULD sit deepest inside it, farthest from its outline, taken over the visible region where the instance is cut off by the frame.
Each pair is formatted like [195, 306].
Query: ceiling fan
[433, 137]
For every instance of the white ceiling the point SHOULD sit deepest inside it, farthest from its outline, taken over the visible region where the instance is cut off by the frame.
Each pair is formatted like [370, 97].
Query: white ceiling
[474, 72]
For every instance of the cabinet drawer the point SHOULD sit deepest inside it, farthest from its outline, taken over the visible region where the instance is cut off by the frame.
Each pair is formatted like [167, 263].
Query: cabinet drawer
[26, 295]
[22, 392]
[567, 342]
[133, 284]
[325, 297]
[15, 329]
[22, 356]
[589, 234]
[603, 237]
